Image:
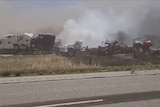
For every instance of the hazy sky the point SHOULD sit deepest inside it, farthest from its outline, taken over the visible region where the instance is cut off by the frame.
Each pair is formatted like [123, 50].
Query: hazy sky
[32, 15]
[88, 18]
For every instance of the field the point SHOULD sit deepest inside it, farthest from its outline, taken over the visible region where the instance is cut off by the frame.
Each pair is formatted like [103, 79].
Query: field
[51, 64]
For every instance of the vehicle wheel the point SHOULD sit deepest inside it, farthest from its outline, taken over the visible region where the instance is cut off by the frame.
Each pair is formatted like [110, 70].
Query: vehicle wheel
[71, 52]
[138, 50]
[24, 49]
[16, 49]
[134, 52]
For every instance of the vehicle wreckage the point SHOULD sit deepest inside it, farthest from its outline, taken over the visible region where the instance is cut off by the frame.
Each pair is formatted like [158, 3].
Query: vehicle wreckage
[70, 50]
[110, 48]
[143, 46]
[47, 44]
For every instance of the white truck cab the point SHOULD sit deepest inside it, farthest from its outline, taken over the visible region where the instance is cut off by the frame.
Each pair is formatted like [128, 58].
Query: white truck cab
[7, 41]
[11, 40]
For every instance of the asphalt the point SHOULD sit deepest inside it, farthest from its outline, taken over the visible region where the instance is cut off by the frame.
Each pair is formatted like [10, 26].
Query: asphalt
[142, 103]
[112, 88]
[96, 100]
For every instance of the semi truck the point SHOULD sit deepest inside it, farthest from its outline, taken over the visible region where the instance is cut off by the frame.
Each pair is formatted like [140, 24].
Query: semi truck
[26, 43]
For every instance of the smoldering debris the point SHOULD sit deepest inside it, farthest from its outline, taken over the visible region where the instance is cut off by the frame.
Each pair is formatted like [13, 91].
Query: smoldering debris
[122, 37]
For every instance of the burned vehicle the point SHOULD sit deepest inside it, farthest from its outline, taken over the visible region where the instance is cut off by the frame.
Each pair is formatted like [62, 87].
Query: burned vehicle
[141, 46]
[43, 43]
[105, 49]
[69, 50]
[76, 48]
[91, 51]
[109, 48]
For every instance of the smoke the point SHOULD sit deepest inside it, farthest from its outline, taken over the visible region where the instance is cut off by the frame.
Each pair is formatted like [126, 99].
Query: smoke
[91, 28]
[95, 26]
[150, 25]
[122, 21]
[26, 16]
[122, 37]
[89, 21]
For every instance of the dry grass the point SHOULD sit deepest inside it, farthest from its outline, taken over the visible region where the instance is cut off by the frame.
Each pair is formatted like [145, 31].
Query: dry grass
[49, 64]
[30, 65]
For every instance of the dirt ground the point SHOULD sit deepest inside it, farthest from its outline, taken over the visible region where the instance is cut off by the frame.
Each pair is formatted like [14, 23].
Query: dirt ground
[116, 60]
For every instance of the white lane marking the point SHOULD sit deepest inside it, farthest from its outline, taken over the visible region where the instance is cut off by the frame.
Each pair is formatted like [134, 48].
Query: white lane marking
[72, 103]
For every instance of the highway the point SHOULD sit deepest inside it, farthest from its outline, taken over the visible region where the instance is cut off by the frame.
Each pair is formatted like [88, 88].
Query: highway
[114, 89]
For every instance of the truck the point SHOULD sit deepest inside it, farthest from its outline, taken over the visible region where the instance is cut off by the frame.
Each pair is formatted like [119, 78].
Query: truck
[13, 43]
[43, 43]
[26, 43]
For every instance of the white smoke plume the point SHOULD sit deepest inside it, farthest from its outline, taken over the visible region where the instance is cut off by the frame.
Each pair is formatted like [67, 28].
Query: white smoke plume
[90, 21]
[124, 20]
[91, 28]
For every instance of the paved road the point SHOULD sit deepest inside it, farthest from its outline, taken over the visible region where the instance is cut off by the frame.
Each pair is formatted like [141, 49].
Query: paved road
[102, 90]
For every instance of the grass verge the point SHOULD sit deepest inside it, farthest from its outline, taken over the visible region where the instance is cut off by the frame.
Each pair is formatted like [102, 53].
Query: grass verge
[47, 65]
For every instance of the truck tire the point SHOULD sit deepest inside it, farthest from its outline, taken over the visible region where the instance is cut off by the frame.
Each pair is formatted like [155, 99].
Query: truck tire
[24, 49]
[16, 49]
[71, 52]
[137, 50]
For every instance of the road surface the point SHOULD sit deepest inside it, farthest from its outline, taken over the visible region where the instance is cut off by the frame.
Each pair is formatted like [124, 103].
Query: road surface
[122, 89]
